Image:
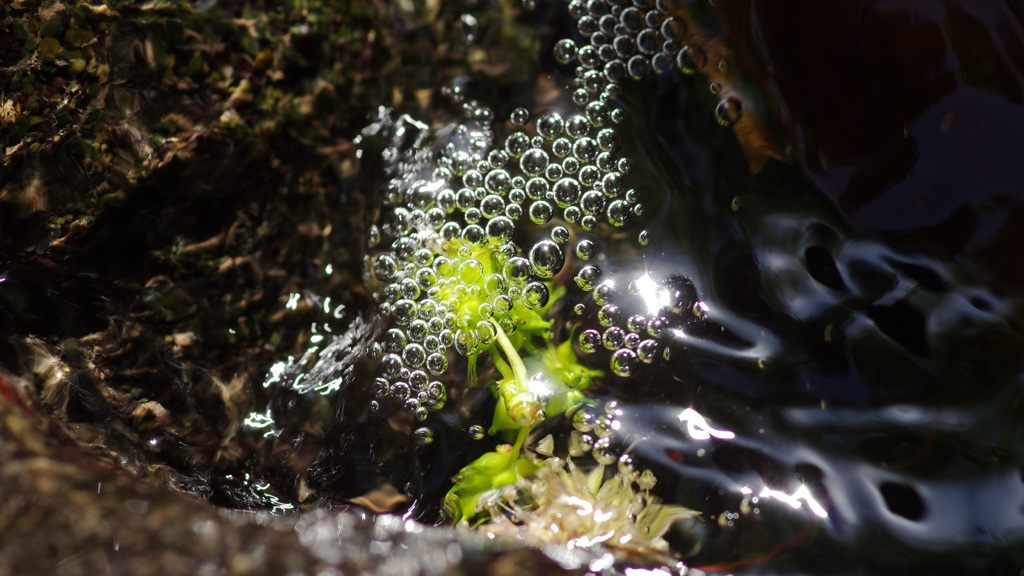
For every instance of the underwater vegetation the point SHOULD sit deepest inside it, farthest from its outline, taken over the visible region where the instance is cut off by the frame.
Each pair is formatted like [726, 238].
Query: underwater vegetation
[487, 286]
[453, 276]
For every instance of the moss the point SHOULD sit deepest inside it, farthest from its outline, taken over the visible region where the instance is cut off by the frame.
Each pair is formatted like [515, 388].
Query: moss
[48, 48]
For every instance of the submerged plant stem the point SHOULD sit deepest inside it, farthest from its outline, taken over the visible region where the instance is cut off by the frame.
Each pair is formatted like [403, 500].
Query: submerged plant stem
[514, 360]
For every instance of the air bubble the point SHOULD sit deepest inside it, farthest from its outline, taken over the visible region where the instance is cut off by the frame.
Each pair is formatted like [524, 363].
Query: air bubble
[385, 267]
[590, 340]
[517, 270]
[605, 426]
[486, 332]
[613, 338]
[534, 161]
[433, 344]
[618, 213]
[417, 330]
[608, 140]
[473, 235]
[492, 205]
[520, 116]
[643, 238]
[494, 283]
[380, 388]
[535, 296]
[465, 342]
[691, 59]
[647, 351]
[399, 391]
[436, 325]
[502, 304]
[537, 188]
[585, 249]
[647, 41]
[437, 363]
[565, 51]
[473, 179]
[376, 351]
[470, 271]
[583, 420]
[567, 190]
[678, 294]
[579, 444]
[603, 452]
[673, 28]
[560, 234]
[578, 126]
[395, 340]
[420, 412]
[579, 309]
[624, 362]
[592, 202]
[541, 212]
[516, 144]
[729, 111]
[417, 380]
[497, 158]
[632, 340]
[498, 181]
[588, 277]
[572, 214]
[436, 395]
[615, 70]
[661, 63]
[472, 215]
[609, 314]
[414, 355]
[550, 126]
[588, 57]
[500, 229]
[404, 312]
[636, 322]
[561, 147]
[476, 432]
[585, 149]
[410, 289]
[546, 258]
[632, 19]
[656, 327]
[423, 436]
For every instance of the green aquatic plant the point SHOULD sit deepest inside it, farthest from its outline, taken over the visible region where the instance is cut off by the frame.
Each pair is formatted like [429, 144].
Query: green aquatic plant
[536, 378]
[554, 388]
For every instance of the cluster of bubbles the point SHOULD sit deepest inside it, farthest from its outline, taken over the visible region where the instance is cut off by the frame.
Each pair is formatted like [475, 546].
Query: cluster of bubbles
[450, 259]
[452, 275]
[595, 431]
[635, 339]
[631, 39]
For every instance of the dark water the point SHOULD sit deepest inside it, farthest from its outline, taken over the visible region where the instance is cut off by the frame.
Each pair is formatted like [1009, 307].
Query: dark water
[863, 337]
